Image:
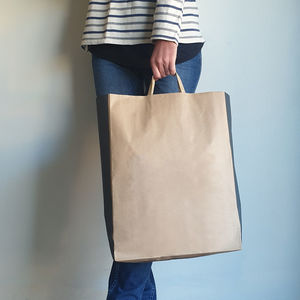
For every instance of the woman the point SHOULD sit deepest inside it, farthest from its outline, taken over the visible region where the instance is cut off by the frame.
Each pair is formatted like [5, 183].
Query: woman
[130, 42]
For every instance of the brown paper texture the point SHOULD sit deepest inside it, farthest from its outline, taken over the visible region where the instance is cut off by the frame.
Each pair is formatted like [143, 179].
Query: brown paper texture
[169, 185]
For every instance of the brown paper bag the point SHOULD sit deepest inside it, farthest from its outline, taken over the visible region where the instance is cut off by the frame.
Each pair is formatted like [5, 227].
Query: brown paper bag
[168, 176]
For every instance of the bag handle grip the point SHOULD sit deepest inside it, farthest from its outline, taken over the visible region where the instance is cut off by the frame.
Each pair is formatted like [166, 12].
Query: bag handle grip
[152, 85]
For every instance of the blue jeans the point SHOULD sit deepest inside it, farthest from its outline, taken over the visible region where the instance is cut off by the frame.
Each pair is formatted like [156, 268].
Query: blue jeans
[135, 281]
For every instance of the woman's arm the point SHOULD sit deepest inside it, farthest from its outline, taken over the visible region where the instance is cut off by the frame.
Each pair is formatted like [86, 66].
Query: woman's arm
[167, 19]
[165, 35]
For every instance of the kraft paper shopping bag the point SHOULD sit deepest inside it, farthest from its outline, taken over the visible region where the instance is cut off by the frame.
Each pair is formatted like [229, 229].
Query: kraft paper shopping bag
[168, 176]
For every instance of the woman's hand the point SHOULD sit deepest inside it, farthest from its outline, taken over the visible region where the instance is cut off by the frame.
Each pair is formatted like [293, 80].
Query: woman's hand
[163, 59]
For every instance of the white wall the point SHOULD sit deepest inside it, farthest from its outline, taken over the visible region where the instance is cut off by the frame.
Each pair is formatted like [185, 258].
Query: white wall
[52, 231]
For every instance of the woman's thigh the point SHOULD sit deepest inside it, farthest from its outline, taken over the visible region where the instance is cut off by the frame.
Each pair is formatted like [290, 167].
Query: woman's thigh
[111, 78]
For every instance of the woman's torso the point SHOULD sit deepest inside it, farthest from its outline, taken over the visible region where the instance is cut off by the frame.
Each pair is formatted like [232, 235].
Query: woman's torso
[123, 30]
[131, 22]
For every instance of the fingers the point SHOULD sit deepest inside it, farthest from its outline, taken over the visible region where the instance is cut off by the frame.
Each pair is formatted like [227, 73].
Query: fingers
[172, 69]
[166, 66]
[156, 73]
[161, 69]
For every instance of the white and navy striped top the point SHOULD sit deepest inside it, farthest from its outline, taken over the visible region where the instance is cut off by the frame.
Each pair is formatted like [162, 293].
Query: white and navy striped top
[130, 22]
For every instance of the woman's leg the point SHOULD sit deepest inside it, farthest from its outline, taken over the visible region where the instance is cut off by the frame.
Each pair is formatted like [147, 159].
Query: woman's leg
[150, 288]
[127, 281]
[111, 78]
[131, 281]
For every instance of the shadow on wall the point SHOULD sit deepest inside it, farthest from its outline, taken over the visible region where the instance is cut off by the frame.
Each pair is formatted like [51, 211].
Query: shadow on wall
[67, 243]
[238, 200]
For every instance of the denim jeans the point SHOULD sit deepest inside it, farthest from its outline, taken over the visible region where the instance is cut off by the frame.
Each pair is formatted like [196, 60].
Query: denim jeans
[135, 281]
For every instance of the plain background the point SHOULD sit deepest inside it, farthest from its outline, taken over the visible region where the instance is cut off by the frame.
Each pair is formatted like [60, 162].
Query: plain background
[52, 237]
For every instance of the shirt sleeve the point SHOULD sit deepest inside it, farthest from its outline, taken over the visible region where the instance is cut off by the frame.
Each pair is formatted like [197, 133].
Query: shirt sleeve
[167, 20]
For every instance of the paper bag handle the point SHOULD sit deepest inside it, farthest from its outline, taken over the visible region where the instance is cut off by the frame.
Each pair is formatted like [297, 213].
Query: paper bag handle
[152, 85]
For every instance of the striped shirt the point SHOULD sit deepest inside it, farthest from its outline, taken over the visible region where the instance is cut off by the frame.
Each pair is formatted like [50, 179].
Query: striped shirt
[130, 22]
